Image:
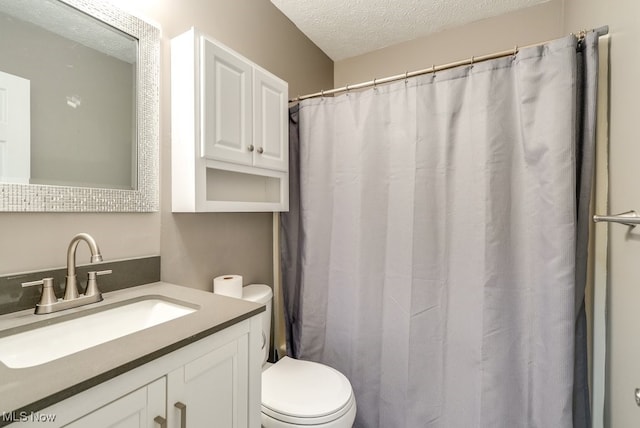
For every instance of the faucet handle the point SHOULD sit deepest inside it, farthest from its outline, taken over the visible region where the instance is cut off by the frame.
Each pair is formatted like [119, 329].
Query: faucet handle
[92, 281]
[48, 296]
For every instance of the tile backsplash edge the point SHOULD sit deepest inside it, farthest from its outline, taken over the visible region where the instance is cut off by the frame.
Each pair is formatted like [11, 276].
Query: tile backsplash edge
[126, 273]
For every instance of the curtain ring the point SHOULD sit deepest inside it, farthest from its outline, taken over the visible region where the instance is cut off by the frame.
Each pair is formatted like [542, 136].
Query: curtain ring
[322, 93]
[472, 59]
[375, 88]
[515, 51]
[406, 77]
[347, 89]
[433, 70]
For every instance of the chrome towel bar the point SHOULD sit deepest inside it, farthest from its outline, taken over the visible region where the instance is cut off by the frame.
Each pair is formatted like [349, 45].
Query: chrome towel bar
[630, 218]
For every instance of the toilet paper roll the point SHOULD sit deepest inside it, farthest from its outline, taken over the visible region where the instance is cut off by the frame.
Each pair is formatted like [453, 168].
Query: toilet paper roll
[228, 285]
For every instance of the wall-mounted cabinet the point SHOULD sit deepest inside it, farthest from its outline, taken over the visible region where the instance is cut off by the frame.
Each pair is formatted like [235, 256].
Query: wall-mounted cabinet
[229, 121]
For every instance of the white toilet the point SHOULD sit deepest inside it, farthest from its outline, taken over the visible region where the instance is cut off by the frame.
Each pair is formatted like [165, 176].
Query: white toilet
[298, 393]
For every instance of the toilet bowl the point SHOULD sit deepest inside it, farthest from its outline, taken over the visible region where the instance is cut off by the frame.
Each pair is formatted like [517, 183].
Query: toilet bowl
[298, 393]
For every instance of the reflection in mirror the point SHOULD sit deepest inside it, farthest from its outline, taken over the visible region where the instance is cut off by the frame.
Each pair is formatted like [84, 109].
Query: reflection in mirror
[78, 107]
[69, 82]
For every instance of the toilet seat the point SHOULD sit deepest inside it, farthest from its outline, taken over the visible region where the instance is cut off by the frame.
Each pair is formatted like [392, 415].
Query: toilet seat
[301, 392]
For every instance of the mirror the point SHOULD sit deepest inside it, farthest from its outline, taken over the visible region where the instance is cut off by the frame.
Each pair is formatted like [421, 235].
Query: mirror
[78, 108]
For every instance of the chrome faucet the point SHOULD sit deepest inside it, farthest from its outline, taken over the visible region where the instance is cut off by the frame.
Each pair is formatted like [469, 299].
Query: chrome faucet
[48, 301]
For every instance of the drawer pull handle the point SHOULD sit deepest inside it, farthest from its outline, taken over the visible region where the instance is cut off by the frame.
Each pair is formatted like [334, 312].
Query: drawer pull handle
[183, 413]
[162, 422]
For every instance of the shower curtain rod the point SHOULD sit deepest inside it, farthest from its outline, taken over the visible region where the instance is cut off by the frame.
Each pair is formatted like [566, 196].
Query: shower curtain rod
[601, 31]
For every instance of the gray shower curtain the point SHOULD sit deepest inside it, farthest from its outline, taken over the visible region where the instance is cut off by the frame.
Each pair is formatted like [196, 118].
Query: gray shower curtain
[435, 251]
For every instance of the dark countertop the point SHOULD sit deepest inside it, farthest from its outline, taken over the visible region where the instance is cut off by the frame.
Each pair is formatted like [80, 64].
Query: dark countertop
[34, 388]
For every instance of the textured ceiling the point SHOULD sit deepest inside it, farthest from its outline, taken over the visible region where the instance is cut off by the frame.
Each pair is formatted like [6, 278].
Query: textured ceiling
[346, 28]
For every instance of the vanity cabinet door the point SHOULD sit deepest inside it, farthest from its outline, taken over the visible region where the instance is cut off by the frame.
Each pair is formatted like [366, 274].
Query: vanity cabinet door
[226, 95]
[138, 409]
[212, 390]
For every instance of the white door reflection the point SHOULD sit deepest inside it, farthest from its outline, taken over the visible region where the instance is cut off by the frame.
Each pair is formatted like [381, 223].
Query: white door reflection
[15, 129]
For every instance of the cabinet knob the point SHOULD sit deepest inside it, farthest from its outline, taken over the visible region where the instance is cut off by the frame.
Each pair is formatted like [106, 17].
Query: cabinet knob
[250, 147]
[260, 150]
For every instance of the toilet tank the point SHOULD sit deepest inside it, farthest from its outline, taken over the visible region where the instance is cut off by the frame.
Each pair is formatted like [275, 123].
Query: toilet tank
[261, 293]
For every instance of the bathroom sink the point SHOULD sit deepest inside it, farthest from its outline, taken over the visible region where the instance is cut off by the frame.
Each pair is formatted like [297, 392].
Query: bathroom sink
[43, 343]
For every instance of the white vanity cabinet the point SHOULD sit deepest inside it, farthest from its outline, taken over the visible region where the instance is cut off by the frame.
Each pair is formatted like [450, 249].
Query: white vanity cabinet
[229, 120]
[213, 382]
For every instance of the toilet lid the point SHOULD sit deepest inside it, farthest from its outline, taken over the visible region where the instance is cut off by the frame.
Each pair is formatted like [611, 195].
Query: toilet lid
[303, 389]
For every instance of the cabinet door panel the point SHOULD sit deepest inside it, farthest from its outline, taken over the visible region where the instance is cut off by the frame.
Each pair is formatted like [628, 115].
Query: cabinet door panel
[213, 388]
[271, 122]
[135, 410]
[226, 105]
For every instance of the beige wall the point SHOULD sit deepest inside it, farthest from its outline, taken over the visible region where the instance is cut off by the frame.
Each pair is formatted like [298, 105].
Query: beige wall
[194, 247]
[520, 28]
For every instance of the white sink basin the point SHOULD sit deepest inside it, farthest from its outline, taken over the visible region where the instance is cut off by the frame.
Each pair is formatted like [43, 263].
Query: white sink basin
[50, 342]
